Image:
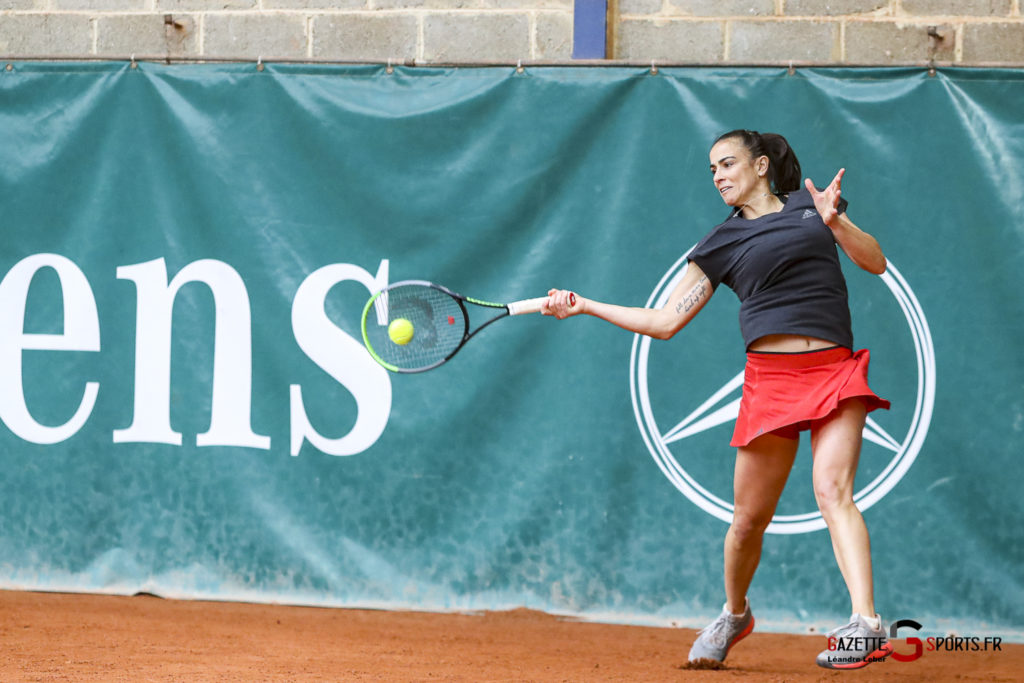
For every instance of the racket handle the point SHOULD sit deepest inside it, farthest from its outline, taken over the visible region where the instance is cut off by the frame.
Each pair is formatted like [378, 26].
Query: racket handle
[534, 305]
[527, 306]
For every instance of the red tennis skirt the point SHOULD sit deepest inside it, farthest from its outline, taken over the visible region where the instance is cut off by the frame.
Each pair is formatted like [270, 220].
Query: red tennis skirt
[786, 393]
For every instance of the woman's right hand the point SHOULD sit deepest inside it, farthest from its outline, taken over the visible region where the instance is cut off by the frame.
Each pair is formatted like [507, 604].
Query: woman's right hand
[562, 304]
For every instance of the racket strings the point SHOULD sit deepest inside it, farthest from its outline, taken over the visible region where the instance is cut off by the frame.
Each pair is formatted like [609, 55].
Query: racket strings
[438, 323]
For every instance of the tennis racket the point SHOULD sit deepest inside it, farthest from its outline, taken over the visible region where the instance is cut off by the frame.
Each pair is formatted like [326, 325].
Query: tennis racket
[415, 326]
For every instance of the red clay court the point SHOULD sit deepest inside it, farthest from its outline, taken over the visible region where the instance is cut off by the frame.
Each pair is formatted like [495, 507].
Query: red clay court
[62, 637]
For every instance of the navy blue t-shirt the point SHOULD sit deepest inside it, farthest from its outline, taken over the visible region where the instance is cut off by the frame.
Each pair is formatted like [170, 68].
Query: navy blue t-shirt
[784, 267]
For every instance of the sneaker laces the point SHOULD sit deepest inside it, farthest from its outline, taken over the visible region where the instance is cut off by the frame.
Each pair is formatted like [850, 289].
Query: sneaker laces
[850, 628]
[716, 630]
[844, 630]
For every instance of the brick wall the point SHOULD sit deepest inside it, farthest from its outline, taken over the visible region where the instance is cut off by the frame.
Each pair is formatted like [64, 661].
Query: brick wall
[962, 32]
[457, 31]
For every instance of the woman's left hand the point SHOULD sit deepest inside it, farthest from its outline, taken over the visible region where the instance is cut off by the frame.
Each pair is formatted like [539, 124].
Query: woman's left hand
[827, 201]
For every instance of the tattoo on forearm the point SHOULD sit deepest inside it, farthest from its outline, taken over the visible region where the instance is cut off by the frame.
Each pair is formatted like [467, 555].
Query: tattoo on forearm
[695, 296]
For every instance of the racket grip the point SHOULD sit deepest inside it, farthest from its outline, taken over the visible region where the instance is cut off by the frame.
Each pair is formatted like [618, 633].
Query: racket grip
[527, 306]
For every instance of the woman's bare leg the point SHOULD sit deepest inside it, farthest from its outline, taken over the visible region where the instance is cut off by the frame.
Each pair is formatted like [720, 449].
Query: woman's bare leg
[836, 443]
[762, 468]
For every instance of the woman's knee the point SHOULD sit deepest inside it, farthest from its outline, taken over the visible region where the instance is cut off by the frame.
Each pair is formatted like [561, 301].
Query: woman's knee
[832, 496]
[750, 527]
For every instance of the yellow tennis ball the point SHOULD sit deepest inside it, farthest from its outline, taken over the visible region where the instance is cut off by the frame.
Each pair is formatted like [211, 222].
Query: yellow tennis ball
[400, 330]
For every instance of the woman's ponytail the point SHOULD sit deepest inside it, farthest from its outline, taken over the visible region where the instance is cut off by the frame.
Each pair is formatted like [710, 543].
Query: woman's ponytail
[786, 176]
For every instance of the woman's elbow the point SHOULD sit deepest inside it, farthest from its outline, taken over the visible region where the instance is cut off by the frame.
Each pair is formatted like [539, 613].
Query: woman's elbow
[665, 330]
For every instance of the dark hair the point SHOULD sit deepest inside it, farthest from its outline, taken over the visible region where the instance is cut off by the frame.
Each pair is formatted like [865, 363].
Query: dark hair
[783, 167]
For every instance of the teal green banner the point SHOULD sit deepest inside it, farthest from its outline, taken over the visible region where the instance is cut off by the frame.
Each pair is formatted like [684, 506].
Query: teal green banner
[187, 408]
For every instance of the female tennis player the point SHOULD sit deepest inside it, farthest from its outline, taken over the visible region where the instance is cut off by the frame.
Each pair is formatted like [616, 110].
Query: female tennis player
[777, 251]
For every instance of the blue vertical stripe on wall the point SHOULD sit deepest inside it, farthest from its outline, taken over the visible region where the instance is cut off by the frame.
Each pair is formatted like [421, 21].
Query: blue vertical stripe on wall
[588, 29]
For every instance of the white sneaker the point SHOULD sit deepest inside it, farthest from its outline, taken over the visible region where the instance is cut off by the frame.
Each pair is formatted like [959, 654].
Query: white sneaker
[714, 641]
